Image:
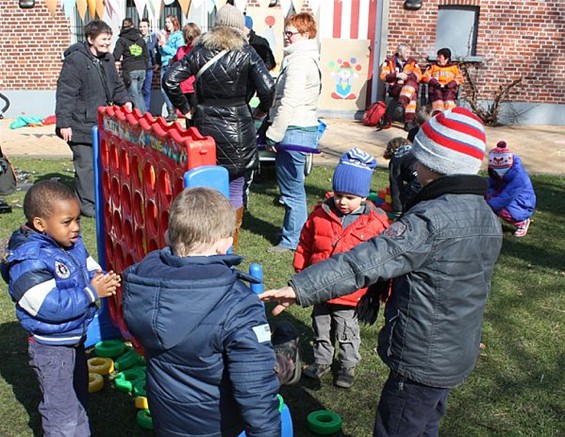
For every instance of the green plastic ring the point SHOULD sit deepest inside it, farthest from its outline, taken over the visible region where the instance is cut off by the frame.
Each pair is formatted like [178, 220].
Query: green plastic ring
[324, 422]
[109, 348]
[127, 360]
[126, 379]
[140, 387]
[144, 419]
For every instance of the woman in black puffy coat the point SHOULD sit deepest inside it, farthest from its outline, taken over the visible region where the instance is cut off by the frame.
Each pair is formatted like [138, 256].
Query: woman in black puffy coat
[223, 91]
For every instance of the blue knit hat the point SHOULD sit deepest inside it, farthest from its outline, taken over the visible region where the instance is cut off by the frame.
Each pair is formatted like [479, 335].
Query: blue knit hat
[354, 172]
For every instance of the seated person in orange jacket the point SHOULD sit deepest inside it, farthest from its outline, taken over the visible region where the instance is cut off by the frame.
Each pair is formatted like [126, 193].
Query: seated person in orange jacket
[443, 79]
[402, 73]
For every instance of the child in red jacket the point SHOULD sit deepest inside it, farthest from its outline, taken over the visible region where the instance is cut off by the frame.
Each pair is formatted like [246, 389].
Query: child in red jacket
[190, 33]
[338, 224]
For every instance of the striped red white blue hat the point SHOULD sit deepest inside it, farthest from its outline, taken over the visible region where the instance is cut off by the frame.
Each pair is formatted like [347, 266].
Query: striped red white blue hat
[452, 142]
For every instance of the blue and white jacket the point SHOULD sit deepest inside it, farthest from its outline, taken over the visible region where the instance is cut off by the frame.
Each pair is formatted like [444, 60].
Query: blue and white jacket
[50, 286]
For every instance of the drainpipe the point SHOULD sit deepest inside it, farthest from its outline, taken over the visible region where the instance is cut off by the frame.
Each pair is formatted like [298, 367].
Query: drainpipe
[380, 47]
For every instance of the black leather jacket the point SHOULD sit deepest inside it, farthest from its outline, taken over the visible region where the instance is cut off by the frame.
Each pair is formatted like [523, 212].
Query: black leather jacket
[441, 254]
[223, 92]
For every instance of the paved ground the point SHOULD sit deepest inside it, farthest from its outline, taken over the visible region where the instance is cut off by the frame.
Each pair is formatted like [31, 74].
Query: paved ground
[542, 148]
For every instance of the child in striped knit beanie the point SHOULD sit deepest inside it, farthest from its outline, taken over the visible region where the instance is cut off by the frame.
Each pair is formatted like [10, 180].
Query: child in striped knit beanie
[510, 192]
[440, 255]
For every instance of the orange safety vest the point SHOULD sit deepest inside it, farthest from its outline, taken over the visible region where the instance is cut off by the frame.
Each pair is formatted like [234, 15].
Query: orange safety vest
[443, 75]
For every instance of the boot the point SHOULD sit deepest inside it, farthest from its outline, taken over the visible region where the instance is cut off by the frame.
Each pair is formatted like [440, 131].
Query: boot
[238, 222]
[171, 115]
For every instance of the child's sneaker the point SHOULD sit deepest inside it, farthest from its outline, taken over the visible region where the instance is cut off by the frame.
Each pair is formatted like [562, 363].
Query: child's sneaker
[522, 228]
[316, 371]
[285, 342]
[345, 377]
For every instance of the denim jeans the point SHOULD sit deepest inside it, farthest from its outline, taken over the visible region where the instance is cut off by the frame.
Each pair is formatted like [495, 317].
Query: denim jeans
[135, 89]
[62, 374]
[147, 86]
[163, 93]
[290, 178]
[409, 409]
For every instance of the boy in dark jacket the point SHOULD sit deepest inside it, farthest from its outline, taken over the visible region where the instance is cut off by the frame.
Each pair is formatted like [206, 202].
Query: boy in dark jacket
[510, 192]
[88, 79]
[340, 223]
[440, 255]
[211, 369]
[402, 175]
[131, 50]
[260, 44]
[56, 285]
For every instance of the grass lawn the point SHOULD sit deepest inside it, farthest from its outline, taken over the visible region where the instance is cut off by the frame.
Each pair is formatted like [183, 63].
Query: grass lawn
[517, 389]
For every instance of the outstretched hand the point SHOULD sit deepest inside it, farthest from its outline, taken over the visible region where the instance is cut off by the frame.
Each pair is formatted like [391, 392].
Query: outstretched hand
[284, 297]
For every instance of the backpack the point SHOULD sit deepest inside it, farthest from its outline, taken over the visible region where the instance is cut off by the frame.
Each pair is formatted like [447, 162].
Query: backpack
[7, 175]
[374, 114]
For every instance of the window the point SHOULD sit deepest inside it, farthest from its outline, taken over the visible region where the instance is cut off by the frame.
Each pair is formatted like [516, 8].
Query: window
[77, 26]
[172, 9]
[457, 28]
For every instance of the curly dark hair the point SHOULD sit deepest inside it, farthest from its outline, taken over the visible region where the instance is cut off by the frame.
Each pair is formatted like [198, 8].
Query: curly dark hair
[40, 198]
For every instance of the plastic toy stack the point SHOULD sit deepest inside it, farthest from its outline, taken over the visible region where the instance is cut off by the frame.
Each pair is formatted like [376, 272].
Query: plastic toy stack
[383, 200]
[141, 166]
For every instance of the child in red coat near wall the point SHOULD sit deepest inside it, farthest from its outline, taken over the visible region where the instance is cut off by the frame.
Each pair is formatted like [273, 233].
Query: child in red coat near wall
[344, 220]
[190, 33]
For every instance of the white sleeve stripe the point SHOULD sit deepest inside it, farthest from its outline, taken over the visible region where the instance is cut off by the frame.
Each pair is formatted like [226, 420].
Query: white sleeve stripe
[32, 300]
[93, 297]
[92, 265]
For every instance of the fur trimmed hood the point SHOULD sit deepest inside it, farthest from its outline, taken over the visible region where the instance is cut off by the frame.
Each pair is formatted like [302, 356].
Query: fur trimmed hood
[223, 38]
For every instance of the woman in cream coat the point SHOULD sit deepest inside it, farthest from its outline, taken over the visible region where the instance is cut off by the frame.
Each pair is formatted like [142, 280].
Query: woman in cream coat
[294, 122]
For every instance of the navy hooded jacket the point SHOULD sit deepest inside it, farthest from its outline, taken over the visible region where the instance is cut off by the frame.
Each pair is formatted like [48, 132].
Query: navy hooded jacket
[210, 362]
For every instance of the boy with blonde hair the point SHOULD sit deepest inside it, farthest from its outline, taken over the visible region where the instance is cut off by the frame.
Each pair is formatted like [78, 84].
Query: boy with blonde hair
[211, 368]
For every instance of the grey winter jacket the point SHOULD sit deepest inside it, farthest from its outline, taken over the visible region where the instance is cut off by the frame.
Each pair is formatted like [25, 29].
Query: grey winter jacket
[223, 92]
[441, 254]
[81, 90]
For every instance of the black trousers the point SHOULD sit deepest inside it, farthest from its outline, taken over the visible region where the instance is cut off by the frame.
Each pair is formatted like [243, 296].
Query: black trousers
[83, 160]
[409, 409]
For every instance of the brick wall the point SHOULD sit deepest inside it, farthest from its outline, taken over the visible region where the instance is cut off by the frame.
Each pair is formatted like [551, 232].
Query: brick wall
[31, 46]
[514, 37]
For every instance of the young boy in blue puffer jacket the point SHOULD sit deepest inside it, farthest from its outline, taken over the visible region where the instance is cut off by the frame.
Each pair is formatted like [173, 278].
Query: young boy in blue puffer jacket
[56, 286]
[510, 191]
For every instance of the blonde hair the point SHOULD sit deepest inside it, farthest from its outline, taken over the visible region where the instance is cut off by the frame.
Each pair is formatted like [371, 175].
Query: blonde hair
[393, 145]
[199, 217]
[190, 31]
